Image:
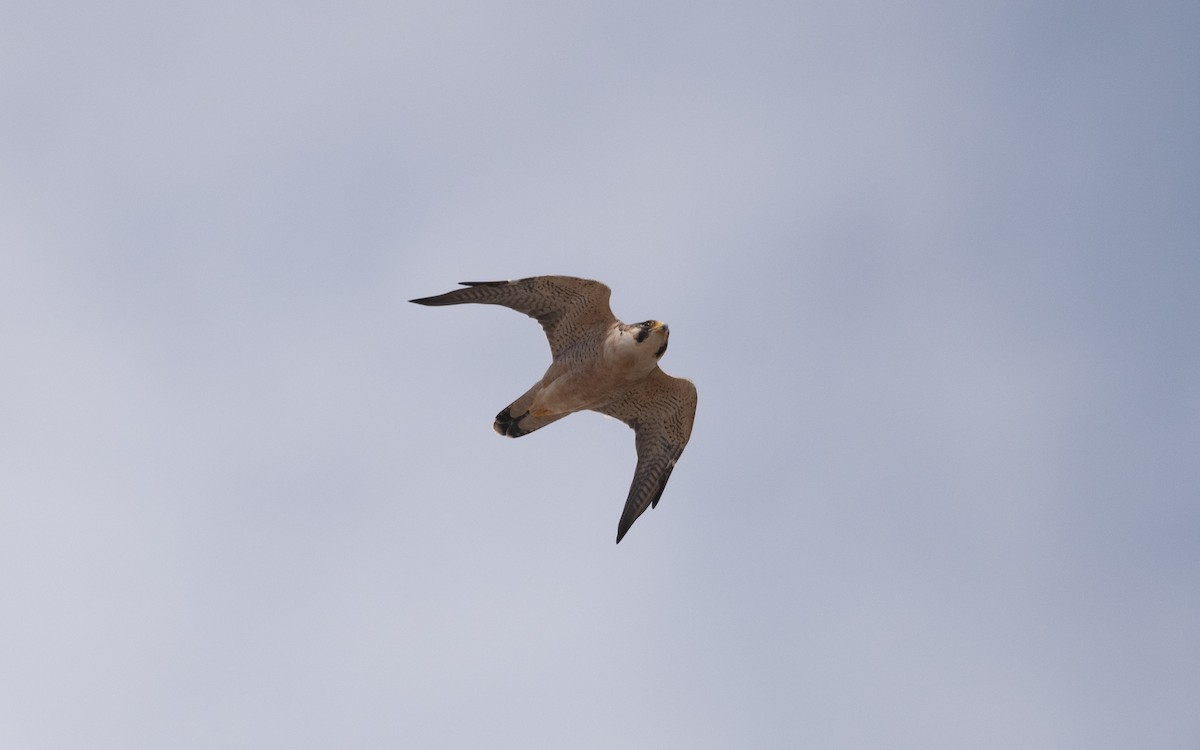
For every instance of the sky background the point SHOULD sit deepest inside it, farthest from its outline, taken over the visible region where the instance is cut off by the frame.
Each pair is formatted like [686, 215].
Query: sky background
[934, 268]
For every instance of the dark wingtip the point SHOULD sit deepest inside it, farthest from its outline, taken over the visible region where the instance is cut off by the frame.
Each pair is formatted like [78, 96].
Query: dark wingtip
[482, 283]
[438, 300]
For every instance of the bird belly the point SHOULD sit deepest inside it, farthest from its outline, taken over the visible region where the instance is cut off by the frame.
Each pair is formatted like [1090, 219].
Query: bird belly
[570, 393]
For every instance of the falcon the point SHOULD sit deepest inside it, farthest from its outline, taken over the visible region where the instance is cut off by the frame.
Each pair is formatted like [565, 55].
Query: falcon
[599, 364]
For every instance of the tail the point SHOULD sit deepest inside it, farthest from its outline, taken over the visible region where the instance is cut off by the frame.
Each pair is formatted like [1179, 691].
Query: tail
[515, 420]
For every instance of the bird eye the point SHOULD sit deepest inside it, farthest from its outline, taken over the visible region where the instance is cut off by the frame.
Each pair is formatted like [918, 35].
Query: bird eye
[648, 324]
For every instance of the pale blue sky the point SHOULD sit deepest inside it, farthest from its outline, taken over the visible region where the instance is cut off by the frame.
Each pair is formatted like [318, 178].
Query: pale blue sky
[933, 267]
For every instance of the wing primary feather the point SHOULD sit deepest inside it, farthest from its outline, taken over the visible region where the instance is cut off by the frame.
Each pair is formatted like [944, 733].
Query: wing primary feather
[662, 484]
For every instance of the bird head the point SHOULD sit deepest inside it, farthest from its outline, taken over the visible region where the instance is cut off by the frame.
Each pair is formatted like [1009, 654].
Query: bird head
[654, 333]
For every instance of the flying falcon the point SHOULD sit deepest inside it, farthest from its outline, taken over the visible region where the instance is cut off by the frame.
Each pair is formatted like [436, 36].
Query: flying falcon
[599, 364]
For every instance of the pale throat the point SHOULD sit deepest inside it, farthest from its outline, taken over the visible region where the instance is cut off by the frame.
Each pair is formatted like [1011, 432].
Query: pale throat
[623, 352]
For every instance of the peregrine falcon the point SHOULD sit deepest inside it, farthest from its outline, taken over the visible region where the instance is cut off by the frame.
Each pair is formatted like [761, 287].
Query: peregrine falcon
[601, 364]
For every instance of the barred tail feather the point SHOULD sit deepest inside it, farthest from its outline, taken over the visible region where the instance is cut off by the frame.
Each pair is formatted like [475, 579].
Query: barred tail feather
[515, 420]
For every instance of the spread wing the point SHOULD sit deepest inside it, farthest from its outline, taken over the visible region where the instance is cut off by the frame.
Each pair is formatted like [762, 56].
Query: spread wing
[660, 409]
[566, 307]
